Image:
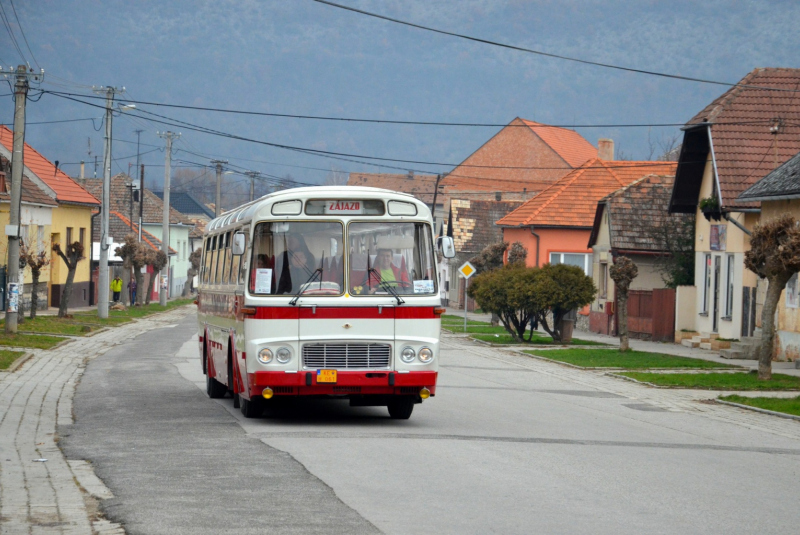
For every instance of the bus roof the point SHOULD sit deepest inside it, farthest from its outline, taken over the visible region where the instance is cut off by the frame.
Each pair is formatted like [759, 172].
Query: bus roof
[244, 213]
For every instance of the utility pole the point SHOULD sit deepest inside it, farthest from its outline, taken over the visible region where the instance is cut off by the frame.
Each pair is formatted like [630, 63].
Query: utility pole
[218, 201]
[162, 292]
[105, 238]
[21, 85]
[253, 175]
[141, 200]
[433, 205]
[135, 185]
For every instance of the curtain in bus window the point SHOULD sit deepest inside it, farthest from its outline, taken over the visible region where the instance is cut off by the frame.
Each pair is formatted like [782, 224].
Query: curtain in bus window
[286, 255]
[226, 266]
[207, 261]
[214, 253]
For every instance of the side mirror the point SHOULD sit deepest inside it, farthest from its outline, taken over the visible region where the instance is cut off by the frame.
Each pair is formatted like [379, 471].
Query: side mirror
[239, 241]
[447, 246]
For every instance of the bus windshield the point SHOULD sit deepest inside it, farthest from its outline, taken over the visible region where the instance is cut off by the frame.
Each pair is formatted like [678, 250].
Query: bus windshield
[391, 255]
[286, 255]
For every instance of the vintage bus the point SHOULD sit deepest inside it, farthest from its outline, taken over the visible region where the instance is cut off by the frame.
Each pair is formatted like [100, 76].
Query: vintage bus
[325, 292]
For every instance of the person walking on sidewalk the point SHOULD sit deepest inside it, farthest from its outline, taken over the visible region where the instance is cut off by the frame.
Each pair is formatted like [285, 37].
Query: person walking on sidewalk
[132, 291]
[116, 288]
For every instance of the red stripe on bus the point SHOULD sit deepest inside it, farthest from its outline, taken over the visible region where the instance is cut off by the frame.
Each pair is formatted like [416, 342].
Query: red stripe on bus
[306, 312]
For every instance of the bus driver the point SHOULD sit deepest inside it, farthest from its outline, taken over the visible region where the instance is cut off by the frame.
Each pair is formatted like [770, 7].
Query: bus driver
[388, 272]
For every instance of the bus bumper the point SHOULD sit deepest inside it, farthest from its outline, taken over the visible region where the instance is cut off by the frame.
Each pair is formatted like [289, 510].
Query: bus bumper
[304, 383]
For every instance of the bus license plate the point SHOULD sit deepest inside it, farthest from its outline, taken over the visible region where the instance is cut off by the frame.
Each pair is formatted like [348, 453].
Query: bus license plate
[326, 376]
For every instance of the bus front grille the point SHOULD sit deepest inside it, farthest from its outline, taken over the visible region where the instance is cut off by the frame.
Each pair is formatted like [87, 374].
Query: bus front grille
[346, 356]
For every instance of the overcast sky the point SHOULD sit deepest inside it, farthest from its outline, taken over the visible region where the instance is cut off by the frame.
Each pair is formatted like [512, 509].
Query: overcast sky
[302, 57]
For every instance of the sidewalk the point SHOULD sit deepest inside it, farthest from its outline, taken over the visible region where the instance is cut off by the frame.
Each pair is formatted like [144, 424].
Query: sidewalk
[40, 491]
[656, 347]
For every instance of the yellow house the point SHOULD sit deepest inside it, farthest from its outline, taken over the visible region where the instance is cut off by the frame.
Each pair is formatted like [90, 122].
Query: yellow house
[69, 219]
[726, 148]
[779, 193]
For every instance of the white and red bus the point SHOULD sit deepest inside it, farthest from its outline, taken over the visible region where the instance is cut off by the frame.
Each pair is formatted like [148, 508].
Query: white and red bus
[322, 291]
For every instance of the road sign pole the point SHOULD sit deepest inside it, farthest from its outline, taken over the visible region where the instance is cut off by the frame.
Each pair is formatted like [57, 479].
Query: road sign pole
[466, 300]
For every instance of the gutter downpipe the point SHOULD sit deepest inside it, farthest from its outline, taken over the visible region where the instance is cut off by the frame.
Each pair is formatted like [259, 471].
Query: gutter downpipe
[726, 215]
[537, 246]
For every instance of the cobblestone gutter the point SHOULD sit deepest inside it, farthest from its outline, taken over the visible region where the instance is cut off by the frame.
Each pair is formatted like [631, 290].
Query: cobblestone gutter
[40, 491]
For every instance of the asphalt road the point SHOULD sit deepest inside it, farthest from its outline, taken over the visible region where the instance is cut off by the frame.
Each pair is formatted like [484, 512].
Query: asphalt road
[503, 448]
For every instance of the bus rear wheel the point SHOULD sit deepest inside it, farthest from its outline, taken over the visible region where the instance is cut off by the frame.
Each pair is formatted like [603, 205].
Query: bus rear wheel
[401, 408]
[214, 388]
[251, 408]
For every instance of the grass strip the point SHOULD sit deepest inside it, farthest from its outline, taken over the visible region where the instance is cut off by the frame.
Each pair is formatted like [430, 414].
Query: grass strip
[718, 381]
[8, 357]
[506, 338]
[55, 325]
[38, 341]
[115, 317]
[480, 329]
[785, 405]
[613, 358]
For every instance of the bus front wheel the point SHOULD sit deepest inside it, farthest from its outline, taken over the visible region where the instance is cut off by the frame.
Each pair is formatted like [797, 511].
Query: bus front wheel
[401, 408]
[251, 408]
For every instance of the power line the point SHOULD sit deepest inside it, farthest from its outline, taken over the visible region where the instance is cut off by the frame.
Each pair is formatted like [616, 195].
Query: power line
[19, 24]
[354, 158]
[7, 24]
[545, 54]
[398, 121]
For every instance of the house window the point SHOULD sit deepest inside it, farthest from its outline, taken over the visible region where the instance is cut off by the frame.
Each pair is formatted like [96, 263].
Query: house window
[82, 235]
[69, 235]
[603, 286]
[706, 283]
[40, 238]
[792, 298]
[729, 289]
[23, 233]
[583, 261]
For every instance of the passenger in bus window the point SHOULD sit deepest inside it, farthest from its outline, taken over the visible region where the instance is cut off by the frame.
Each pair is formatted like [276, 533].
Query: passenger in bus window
[395, 276]
[297, 266]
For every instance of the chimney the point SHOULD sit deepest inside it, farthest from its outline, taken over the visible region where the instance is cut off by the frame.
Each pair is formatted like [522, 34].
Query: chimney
[83, 168]
[605, 149]
[410, 175]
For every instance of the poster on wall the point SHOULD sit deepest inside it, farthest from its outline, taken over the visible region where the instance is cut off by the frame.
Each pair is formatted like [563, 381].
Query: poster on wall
[718, 237]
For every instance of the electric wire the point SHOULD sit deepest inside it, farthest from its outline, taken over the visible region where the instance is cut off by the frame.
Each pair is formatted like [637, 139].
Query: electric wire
[395, 121]
[7, 24]
[545, 54]
[19, 24]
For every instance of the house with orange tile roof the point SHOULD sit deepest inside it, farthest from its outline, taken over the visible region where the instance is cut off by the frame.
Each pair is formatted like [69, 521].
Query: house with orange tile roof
[634, 221]
[524, 157]
[728, 146]
[70, 220]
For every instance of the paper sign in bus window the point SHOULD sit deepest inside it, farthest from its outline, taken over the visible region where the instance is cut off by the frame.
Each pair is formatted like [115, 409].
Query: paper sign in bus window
[263, 280]
[423, 287]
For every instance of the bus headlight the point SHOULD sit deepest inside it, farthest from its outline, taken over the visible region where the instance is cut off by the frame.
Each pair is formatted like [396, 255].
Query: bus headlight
[283, 354]
[408, 354]
[425, 355]
[265, 356]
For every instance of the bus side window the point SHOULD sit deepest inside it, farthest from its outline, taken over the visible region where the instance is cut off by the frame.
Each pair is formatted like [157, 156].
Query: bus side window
[206, 260]
[213, 267]
[226, 260]
[235, 260]
[220, 253]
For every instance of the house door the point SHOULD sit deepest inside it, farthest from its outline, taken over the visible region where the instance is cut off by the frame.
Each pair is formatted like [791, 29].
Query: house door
[715, 320]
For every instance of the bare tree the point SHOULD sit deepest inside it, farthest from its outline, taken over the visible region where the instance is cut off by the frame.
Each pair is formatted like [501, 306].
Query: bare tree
[157, 260]
[134, 256]
[622, 273]
[71, 257]
[35, 256]
[774, 255]
[336, 177]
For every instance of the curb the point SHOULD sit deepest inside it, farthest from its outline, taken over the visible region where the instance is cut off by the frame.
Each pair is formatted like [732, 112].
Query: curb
[758, 409]
[19, 362]
[612, 370]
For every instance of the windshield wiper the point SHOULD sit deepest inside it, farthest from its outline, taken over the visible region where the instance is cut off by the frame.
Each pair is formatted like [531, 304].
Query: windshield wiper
[385, 285]
[304, 287]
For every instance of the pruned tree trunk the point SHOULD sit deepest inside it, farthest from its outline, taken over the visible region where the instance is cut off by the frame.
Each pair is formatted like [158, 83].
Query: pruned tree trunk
[63, 306]
[34, 292]
[140, 289]
[774, 288]
[622, 310]
[156, 276]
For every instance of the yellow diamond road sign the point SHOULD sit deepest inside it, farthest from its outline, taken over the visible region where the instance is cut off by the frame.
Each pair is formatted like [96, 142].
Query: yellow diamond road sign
[467, 270]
